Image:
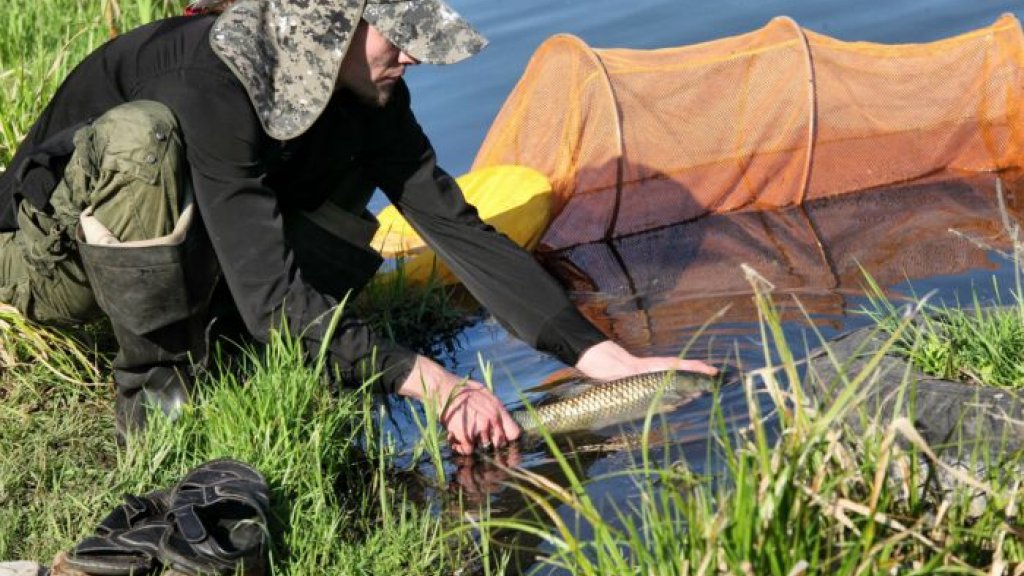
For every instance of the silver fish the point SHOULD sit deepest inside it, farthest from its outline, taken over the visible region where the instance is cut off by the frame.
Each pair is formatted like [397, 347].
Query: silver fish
[615, 402]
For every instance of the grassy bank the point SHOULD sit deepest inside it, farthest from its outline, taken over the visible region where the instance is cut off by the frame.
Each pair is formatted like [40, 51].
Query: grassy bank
[334, 507]
[802, 492]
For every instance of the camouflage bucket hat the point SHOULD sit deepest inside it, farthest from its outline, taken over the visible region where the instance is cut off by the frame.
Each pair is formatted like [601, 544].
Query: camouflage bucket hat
[287, 54]
[428, 30]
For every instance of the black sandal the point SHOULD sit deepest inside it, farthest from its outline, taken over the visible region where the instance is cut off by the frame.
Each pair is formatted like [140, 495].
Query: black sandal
[218, 518]
[121, 553]
[135, 510]
[126, 540]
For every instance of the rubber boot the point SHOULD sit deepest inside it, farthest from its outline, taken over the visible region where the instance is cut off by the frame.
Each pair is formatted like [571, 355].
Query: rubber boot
[156, 294]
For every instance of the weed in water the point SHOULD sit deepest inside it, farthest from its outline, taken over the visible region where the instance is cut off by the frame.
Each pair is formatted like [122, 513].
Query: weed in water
[980, 345]
[983, 344]
[804, 493]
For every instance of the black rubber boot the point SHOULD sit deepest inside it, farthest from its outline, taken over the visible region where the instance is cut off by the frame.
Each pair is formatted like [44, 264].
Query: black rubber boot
[157, 294]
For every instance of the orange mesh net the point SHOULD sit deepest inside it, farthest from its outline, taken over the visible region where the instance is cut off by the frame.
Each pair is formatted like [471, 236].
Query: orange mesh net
[651, 291]
[636, 139]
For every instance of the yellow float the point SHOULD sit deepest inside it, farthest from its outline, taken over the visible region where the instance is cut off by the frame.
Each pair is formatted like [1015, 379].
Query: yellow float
[516, 200]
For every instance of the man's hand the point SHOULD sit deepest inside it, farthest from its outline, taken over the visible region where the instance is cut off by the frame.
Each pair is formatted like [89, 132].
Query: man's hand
[469, 411]
[608, 361]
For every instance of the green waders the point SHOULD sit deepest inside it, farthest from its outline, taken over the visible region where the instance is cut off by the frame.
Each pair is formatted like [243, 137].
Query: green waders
[149, 265]
[154, 276]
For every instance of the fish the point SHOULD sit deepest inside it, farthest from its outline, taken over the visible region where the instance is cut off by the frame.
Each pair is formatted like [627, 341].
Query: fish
[602, 404]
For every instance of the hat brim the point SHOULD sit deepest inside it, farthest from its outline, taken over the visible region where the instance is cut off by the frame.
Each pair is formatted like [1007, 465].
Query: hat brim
[428, 30]
[287, 55]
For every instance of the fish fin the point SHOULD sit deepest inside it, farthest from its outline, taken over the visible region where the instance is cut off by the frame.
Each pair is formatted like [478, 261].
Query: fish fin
[571, 389]
[673, 399]
[557, 378]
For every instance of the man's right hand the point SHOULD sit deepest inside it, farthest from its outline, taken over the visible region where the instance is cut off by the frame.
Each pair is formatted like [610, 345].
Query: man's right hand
[469, 411]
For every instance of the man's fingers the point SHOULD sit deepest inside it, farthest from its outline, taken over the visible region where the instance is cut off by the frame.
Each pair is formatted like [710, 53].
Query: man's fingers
[483, 437]
[698, 366]
[498, 437]
[657, 363]
[460, 440]
[463, 443]
[478, 418]
[509, 426]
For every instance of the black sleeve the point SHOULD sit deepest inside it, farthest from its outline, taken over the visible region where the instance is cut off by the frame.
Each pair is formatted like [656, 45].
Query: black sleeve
[499, 273]
[224, 140]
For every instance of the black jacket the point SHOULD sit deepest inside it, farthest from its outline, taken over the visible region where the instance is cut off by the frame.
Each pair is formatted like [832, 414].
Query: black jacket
[243, 181]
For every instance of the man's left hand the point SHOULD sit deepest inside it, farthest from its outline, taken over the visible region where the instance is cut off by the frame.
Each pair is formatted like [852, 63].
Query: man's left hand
[608, 361]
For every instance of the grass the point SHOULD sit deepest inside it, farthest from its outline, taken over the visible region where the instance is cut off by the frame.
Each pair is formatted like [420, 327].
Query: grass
[401, 309]
[979, 344]
[334, 507]
[55, 425]
[801, 491]
[804, 493]
[42, 41]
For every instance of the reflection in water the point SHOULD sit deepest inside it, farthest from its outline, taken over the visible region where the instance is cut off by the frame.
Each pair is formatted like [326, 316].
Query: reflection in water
[652, 292]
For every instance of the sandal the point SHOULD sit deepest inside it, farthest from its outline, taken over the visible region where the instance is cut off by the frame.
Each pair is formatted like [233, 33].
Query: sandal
[135, 510]
[119, 553]
[126, 540]
[218, 518]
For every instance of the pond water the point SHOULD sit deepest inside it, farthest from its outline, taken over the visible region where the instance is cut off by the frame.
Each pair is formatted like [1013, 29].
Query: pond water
[653, 291]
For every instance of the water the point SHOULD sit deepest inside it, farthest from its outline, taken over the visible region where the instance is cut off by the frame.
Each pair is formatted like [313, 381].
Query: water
[652, 291]
[669, 281]
[456, 104]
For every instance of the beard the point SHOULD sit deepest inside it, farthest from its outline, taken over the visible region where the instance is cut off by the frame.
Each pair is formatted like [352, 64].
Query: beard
[373, 95]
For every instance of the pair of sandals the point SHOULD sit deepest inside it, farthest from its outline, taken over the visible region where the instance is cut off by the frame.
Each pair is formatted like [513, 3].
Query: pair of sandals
[212, 522]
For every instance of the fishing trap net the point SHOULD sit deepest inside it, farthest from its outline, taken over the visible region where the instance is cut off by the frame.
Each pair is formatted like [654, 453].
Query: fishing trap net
[637, 139]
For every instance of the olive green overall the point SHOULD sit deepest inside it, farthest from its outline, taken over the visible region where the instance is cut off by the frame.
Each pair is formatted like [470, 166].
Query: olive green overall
[155, 278]
[129, 168]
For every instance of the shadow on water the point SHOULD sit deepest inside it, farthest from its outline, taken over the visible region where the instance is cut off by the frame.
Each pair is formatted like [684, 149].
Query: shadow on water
[652, 291]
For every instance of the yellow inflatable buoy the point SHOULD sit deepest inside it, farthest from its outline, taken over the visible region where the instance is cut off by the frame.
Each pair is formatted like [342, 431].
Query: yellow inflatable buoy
[516, 200]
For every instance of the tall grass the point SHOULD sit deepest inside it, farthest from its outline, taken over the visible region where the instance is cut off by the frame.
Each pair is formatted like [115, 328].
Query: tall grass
[41, 41]
[980, 345]
[335, 508]
[425, 316]
[803, 493]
